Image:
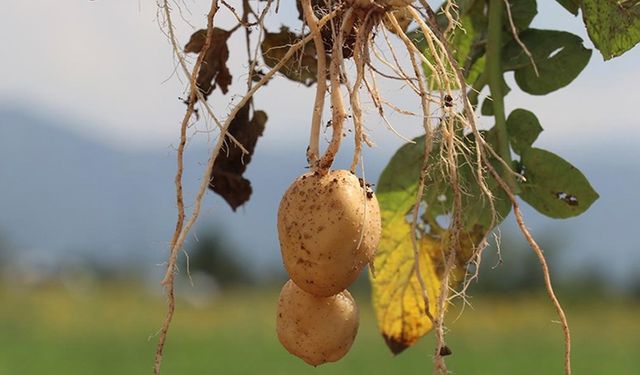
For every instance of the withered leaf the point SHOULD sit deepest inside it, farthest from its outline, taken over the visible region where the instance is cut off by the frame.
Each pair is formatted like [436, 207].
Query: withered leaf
[256, 75]
[213, 71]
[226, 177]
[196, 42]
[302, 67]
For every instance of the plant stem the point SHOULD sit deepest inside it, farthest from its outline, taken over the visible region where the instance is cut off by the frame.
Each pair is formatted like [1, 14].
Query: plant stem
[494, 71]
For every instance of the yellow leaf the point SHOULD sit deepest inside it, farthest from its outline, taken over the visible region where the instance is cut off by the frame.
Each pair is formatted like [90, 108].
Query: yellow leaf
[397, 294]
[398, 297]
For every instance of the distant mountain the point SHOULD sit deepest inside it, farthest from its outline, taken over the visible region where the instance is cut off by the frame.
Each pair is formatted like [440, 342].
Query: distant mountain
[66, 194]
[63, 196]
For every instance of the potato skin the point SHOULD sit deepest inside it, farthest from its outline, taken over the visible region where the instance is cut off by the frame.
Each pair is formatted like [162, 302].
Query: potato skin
[316, 329]
[320, 225]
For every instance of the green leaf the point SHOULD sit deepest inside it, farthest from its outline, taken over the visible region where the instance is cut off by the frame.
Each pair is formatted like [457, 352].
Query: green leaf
[466, 42]
[613, 25]
[463, 44]
[487, 107]
[523, 128]
[402, 173]
[553, 186]
[522, 13]
[472, 73]
[560, 56]
[572, 6]
[477, 214]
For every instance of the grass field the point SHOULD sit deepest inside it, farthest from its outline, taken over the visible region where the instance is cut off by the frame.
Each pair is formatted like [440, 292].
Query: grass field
[109, 330]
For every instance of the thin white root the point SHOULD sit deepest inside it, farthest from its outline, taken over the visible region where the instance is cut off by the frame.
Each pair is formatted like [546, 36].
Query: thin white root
[321, 84]
[337, 103]
[354, 93]
[372, 88]
[397, 68]
[545, 268]
[172, 261]
[547, 282]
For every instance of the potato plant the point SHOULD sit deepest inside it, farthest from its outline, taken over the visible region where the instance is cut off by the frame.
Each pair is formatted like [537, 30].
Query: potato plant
[330, 223]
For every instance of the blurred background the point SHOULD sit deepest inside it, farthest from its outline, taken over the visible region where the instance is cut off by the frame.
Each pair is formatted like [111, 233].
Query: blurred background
[89, 122]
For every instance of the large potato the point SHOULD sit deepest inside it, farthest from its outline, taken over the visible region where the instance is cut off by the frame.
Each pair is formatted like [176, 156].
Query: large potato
[316, 329]
[329, 229]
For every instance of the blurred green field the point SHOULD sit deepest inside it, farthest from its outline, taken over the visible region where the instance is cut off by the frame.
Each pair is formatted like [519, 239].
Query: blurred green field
[109, 330]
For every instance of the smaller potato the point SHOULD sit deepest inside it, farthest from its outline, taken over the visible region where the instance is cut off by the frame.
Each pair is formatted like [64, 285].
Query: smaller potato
[316, 329]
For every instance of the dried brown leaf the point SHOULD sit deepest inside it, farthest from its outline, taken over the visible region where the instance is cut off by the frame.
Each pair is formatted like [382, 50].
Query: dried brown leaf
[226, 177]
[302, 67]
[213, 71]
